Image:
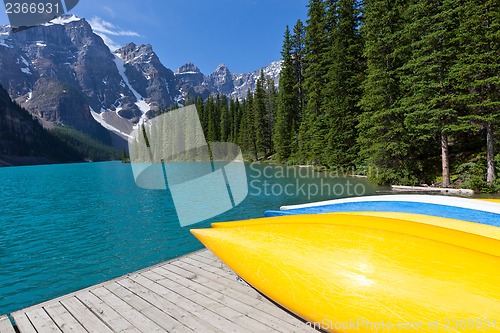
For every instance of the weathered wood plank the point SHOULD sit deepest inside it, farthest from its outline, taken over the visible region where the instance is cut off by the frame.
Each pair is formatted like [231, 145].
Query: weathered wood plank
[149, 310]
[6, 325]
[64, 320]
[207, 255]
[232, 298]
[87, 318]
[143, 323]
[211, 302]
[23, 323]
[218, 285]
[230, 281]
[169, 307]
[107, 314]
[203, 270]
[215, 263]
[215, 319]
[213, 266]
[42, 322]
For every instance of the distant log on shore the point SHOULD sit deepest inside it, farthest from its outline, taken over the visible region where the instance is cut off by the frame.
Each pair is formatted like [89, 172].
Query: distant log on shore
[422, 189]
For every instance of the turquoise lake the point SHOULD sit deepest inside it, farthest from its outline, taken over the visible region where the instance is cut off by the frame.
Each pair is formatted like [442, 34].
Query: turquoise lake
[67, 227]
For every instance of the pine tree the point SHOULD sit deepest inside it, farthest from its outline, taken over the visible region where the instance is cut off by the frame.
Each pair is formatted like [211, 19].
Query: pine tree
[313, 129]
[298, 53]
[247, 128]
[225, 125]
[429, 93]
[477, 71]
[212, 109]
[383, 138]
[202, 114]
[287, 106]
[233, 115]
[271, 109]
[342, 91]
[261, 118]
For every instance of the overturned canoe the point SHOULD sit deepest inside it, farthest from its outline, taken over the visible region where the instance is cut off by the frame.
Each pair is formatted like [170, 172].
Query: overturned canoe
[369, 272]
[480, 211]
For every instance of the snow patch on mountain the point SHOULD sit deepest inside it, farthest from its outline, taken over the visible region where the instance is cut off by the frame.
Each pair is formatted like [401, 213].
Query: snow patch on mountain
[243, 82]
[113, 122]
[141, 103]
[3, 39]
[62, 20]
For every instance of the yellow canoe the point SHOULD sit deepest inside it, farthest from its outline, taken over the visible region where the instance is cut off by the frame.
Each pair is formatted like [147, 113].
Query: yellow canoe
[369, 272]
[491, 200]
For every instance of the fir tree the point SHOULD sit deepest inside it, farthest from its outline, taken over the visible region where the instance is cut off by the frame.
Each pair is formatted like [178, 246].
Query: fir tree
[313, 127]
[271, 109]
[298, 52]
[233, 114]
[429, 93]
[477, 71]
[342, 91]
[247, 128]
[225, 125]
[383, 136]
[212, 120]
[287, 106]
[261, 118]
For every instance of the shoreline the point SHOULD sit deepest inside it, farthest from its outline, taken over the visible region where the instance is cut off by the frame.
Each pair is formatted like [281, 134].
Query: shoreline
[13, 161]
[440, 190]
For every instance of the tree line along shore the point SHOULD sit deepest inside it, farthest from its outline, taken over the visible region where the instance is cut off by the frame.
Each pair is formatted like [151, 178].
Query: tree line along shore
[410, 88]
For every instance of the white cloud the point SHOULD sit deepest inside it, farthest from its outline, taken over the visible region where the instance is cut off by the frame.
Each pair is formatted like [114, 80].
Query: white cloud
[106, 29]
[110, 11]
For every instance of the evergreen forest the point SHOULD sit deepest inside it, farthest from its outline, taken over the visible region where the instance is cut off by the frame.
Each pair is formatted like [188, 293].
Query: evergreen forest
[409, 88]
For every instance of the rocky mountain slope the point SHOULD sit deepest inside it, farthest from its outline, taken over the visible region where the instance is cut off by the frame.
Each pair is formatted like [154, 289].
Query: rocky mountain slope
[24, 141]
[63, 73]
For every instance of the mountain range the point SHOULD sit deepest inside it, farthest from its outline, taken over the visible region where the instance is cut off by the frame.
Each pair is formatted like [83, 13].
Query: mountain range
[64, 74]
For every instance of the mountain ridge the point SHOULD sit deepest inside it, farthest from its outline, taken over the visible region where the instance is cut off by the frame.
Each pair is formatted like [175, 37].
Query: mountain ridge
[64, 73]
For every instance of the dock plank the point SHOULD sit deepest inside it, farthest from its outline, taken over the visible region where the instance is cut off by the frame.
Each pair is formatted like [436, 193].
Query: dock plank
[42, 321]
[167, 306]
[23, 323]
[193, 293]
[205, 270]
[107, 314]
[87, 318]
[236, 300]
[63, 319]
[241, 287]
[211, 302]
[215, 319]
[6, 325]
[161, 318]
[143, 323]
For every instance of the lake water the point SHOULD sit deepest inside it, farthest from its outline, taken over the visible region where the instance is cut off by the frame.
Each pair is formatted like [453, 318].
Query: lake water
[67, 227]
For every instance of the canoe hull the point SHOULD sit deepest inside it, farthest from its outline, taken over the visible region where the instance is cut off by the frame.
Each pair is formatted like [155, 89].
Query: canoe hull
[334, 270]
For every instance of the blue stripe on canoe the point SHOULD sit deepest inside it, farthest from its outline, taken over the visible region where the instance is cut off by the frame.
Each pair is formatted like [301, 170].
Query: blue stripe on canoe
[458, 213]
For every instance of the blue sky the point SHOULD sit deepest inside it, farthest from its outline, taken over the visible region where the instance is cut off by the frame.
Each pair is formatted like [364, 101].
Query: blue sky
[244, 34]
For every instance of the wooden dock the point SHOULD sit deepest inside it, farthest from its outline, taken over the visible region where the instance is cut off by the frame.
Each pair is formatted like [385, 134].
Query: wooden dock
[194, 293]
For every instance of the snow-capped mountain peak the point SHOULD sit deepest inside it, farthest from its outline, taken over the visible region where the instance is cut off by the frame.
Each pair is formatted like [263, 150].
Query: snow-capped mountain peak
[63, 19]
[62, 70]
